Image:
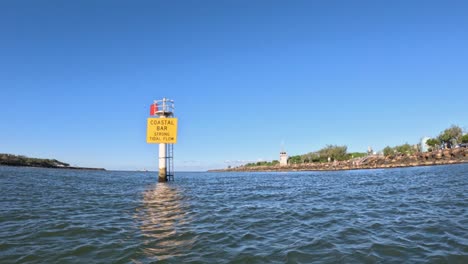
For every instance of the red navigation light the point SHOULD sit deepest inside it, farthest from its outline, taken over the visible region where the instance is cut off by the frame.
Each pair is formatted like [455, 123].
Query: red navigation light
[153, 109]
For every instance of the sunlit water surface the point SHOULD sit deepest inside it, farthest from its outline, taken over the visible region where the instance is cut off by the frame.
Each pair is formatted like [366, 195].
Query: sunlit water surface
[397, 215]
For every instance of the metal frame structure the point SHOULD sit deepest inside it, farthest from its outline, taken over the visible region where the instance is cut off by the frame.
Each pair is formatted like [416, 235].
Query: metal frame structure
[169, 162]
[165, 107]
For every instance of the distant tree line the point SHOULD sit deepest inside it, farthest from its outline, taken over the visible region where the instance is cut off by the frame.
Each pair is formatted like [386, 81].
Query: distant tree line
[333, 152]
[401, 149]
[448, 138]
[262, 163]
[14, 160]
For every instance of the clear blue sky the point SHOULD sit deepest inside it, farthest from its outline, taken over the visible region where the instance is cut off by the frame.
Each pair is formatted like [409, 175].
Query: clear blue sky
[77, 77]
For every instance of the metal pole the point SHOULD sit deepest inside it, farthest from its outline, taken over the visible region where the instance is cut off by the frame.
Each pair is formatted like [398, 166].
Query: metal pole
[162, 176]
[162, 163]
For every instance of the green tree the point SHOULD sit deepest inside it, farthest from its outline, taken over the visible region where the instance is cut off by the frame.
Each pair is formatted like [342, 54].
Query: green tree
[388, 151]
[311, 157]
[404, 149]
[451, 135]
[333, 151]
[464, 138]
[262, 163]
[295, 159]
[433, 143]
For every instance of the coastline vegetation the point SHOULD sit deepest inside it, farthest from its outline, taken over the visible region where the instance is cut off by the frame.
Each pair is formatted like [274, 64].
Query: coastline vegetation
[334, 152]
[449, 138]
[464, 139]
[262, 163]
[19, 160]
[446, 139]
[23, 161]
[401, 149]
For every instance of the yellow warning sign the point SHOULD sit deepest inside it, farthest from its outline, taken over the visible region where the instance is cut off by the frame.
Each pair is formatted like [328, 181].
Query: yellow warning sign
[161, 130]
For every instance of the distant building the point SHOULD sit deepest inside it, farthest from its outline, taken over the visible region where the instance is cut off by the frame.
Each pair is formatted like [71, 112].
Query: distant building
[370, 151]
[424, 146]
[283, 158]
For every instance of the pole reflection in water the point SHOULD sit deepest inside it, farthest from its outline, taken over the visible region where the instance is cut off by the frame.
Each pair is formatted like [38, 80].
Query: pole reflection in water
[164, 222]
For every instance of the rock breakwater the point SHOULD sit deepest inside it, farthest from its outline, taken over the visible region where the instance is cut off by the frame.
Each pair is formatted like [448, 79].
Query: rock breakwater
[440, 157]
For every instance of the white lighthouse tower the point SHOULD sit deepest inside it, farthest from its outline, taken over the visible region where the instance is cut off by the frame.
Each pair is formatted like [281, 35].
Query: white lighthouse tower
[283, 160]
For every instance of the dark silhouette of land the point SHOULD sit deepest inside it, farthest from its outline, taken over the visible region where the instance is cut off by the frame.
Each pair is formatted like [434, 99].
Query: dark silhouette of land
[23, 161]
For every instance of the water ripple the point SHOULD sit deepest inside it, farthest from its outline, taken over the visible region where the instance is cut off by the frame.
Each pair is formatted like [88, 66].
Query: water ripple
[415, 215]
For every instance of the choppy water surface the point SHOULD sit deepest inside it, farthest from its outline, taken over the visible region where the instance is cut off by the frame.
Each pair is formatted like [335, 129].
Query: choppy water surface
[397, 215]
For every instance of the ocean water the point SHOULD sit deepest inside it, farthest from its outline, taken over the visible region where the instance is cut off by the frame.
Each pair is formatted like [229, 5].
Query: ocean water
[410, 215]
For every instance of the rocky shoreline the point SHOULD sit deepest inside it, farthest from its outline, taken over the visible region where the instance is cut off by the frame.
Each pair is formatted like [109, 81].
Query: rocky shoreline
[440, 157]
